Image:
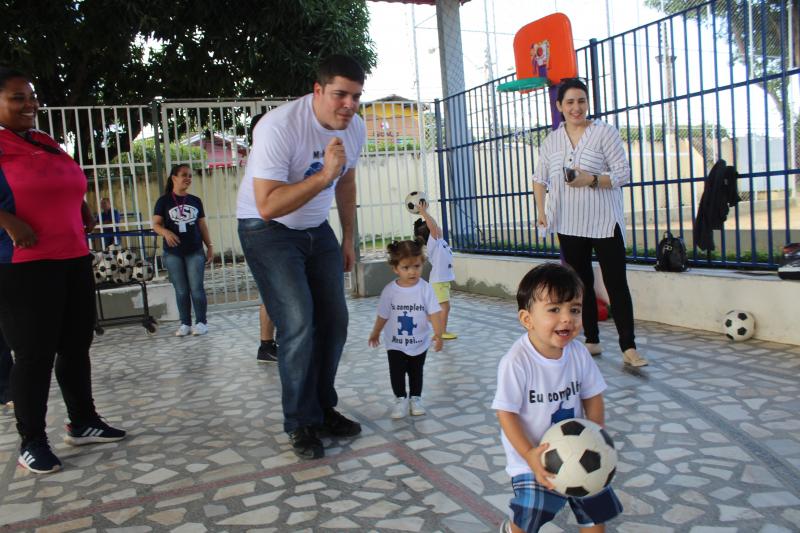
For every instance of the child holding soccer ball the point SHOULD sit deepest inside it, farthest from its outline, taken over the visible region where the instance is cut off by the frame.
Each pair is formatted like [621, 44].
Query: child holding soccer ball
[428, 232]
[407, 312]
[540, 364]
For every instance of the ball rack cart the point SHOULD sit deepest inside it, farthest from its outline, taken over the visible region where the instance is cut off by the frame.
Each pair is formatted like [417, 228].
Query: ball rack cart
[143, 243]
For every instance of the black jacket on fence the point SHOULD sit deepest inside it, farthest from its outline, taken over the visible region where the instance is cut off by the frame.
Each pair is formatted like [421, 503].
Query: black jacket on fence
[719, 193]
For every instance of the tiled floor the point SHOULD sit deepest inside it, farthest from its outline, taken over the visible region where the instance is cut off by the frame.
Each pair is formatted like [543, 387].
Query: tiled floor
[709, 437]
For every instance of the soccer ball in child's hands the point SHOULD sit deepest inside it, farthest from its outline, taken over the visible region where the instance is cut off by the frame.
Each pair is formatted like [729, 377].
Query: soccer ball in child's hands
[739, 325]
[412, 201]
[581, 455]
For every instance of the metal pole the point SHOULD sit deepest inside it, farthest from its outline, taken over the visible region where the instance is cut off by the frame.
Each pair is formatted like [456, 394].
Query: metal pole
[157, 145]
[595, 75]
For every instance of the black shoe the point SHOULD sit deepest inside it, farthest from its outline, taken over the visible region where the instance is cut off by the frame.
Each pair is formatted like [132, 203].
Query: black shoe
[96, 432]
[337, 425]
[37, 457]
[267, 352]
[305, 443]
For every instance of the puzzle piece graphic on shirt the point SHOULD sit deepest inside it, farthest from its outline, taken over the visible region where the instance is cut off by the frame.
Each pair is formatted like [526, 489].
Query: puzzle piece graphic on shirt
[406, 324]
[562, 414]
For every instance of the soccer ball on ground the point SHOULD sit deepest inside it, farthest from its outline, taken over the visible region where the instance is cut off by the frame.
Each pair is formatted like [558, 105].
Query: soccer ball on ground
[739, 325]
[412, 201]
[581, 455]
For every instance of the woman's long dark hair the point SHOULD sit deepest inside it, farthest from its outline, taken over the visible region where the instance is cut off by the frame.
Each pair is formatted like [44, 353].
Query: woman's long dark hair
[173, 172]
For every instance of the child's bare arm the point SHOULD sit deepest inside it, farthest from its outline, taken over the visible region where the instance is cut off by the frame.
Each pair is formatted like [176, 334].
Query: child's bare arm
[433, 227]
[376, 331]
[437, 321]
[512, 427]
[594, 409]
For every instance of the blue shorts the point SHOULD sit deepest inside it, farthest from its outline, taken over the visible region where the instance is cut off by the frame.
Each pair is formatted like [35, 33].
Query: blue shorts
[534, 506]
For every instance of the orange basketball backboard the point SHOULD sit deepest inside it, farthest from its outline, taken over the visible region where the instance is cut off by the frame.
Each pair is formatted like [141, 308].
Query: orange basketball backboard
[544, 49]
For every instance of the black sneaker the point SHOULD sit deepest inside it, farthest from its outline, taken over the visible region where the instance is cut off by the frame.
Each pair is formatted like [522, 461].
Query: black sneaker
[95, 432]
[37, 457]
[305, 443]
[334, 423]
[267, 352]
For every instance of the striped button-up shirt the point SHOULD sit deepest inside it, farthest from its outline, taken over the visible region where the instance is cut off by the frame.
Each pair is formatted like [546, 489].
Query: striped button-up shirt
[584, 211]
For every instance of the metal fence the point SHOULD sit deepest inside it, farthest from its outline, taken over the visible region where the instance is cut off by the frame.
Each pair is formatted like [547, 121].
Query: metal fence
[720, 80]
[127, 151]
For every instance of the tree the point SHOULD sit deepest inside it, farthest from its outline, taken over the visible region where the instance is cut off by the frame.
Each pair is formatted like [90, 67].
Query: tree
[96, 52]
[104, 52]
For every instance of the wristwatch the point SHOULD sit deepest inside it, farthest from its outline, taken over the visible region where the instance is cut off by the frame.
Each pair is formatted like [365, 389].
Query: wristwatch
[594, 182]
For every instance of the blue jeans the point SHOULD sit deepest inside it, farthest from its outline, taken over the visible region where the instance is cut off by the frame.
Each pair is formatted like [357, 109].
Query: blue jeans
[300, 279]
[186, 274]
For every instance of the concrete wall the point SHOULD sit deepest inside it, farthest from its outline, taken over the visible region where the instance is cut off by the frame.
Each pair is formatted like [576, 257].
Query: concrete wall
[695, 299]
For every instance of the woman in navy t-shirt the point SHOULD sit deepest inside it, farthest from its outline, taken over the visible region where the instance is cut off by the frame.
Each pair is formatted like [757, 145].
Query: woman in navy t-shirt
[179, 218]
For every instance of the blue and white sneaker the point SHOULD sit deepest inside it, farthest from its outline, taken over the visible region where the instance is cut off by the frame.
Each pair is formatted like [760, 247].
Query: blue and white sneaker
[95, 432]
[37, 457]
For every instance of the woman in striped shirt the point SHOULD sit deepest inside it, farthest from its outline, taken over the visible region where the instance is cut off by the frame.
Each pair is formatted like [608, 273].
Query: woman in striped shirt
[582, 167]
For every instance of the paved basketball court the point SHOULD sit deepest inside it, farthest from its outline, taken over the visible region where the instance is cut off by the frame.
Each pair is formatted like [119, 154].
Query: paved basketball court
[709, 437]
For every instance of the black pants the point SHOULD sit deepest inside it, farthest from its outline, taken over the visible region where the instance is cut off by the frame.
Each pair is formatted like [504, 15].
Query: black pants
[577, 252]
[401, 364]
[6, 363]
[47, 315]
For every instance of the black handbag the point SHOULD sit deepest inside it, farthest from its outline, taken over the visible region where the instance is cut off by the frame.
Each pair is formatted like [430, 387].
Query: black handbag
[671, 254]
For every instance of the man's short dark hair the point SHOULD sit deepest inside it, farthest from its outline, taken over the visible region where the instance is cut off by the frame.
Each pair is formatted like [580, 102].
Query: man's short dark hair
[558, 282]
[339, 65]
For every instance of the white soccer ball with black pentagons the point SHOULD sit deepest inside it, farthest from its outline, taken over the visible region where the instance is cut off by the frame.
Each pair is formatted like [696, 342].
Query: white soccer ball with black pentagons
[581, 455]
[121, 275]
[107, 267]
[96, 258]
[412, 201]
[99, 277]
[143, 271]
[126, 257]
[739, 325]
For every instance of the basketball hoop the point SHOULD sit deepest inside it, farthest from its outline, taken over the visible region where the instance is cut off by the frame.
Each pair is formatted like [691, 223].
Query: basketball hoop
[525, 84]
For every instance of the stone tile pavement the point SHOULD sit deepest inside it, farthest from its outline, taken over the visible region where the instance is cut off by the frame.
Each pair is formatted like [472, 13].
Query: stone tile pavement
[709, 437]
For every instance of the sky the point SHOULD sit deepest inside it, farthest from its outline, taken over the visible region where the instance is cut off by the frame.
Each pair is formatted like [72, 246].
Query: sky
[491, 25]
[392, 31]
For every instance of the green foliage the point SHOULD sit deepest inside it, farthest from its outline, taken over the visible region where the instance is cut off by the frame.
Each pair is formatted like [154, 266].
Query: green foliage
[143, 156]
[709, 131]
[90, 53]
[383, 147]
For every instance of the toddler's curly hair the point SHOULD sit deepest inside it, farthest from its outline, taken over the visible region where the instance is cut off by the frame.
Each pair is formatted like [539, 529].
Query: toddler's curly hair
[399, 250]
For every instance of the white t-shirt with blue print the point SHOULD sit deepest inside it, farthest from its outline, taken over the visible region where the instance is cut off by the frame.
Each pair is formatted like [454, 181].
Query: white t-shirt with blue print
[289, 146]
[406, 311]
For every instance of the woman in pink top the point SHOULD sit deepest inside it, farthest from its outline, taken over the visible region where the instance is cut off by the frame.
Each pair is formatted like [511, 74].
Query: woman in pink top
[47, 311]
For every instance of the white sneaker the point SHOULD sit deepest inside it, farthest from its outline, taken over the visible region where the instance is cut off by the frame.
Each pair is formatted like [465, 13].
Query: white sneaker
[199, 329]
[183, 331]
[417, 407]
[400, 409]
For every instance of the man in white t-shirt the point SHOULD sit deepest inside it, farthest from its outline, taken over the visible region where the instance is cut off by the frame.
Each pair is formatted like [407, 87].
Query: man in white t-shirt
[303, 156]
